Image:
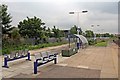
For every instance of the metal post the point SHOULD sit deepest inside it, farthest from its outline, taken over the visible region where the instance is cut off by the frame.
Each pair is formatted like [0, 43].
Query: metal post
[5, 63]
[55, 60]
[78, 23]
[35, 67]
[69, 40]
[28, 56]
[78, 42]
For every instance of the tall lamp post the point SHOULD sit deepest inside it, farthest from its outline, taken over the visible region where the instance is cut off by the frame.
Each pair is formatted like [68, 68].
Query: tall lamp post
[78, 28]
[78, 18]
[94, 33]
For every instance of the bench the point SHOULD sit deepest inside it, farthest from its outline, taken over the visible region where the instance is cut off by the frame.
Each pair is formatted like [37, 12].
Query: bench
[43, 58]
[16, 55]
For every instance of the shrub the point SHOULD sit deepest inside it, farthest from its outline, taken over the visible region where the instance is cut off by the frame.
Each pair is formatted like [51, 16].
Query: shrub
[91, 42]
[102, 40]
[10, 48]
[101, 44]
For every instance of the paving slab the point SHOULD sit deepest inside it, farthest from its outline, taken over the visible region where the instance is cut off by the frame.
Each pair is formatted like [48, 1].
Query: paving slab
[65, 72]
[92, 62]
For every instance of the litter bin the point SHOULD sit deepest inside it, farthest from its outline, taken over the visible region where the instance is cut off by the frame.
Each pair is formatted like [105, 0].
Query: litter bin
[69, 52]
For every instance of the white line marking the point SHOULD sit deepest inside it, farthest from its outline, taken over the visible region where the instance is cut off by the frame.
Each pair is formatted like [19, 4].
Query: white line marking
[86, 67]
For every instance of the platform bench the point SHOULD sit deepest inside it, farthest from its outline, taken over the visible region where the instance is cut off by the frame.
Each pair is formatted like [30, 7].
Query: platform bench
[16, 55]
[43, 58]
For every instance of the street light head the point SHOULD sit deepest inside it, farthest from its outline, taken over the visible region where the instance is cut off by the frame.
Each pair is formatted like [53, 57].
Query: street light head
[92, 25]
[84, 11]
[71, 12]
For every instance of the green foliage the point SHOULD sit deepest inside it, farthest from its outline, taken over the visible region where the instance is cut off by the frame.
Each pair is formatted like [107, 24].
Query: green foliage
[101, 44]
[105, 35]
[111, 35]
[91, 42]
[98, 35]
[5, 20]
[6, 51]
[89, 33]
[31, 27]
[57, 32]
[15, 34]
[9, 49]
[73, 30]
[98, 42]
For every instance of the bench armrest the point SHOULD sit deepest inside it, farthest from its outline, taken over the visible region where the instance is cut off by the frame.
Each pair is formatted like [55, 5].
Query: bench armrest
[45, 58]
[38, 59]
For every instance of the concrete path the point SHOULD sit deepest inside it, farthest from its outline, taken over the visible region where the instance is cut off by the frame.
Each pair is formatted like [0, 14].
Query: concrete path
[98, 58]
[102, 61]
[55, 71]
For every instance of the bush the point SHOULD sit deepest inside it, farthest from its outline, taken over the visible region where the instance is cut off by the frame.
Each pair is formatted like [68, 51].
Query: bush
[6, 51]
[101, 44]
[10, 48]
[91, 42]
[102, 40]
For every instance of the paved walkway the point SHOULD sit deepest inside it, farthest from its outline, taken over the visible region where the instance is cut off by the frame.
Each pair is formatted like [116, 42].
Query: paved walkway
[102, 61]
[98, 58]
[55, 71]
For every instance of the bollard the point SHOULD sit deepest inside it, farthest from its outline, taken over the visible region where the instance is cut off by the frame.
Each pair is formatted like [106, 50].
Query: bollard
[35, 67]
[5, 63]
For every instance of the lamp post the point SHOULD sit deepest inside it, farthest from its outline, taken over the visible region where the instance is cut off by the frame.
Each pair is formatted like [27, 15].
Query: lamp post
[78, 41]
[78, 18]
[94, 33]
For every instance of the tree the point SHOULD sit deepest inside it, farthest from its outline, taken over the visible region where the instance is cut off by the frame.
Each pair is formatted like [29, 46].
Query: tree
[49, 32]
[89, 33]
[56, 32]
[73, 30]
[106, 35]
[15, 37]
[44, 28]
[5, 20]
[15, 34]
[97, 35]
[111, 35]
[31, 27]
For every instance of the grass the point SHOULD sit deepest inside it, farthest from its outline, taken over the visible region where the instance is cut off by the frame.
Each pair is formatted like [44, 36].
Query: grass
[101, 44]
[8, 49]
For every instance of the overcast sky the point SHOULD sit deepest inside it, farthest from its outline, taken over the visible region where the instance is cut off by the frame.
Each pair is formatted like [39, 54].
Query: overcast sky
[56, 13]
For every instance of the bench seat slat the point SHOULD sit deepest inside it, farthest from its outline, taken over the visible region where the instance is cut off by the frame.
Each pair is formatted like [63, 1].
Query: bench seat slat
[44, 57]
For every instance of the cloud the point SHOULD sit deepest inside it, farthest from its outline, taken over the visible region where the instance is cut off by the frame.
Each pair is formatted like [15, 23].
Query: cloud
[104, 7]
[60, 1]
[55, 13]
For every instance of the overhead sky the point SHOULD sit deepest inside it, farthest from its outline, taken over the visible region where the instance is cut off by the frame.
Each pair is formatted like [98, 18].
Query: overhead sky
[56, 13]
